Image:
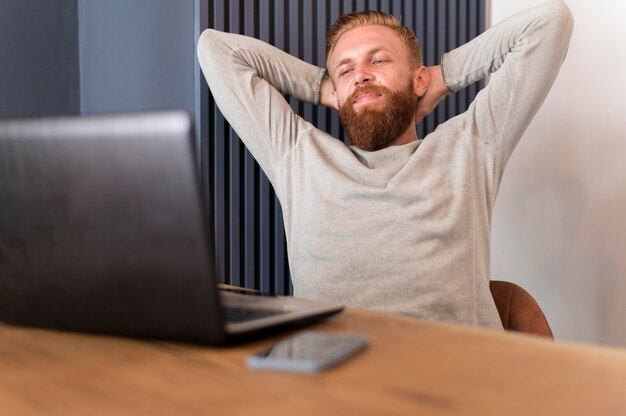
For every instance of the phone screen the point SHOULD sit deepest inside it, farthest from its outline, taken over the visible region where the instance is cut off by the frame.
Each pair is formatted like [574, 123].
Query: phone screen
[309, 351]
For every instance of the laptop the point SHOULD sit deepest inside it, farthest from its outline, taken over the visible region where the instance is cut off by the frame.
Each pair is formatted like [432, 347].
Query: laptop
[103, 229]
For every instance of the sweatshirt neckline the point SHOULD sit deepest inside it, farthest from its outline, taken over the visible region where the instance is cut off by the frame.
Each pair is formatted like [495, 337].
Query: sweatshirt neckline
[385, 157]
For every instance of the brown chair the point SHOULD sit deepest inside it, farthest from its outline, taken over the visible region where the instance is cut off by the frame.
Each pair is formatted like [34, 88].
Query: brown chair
[518, 309]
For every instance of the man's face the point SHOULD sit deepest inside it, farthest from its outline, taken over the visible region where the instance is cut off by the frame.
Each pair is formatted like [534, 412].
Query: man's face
[373, 79]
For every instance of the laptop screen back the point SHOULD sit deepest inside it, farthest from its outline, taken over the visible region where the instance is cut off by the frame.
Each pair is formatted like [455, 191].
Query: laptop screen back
[102, 228]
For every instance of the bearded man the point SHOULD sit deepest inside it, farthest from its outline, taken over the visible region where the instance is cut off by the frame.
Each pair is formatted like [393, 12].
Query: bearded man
[393, 222]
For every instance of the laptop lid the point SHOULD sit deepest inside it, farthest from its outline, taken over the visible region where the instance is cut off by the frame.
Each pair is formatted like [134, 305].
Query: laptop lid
[103, 229]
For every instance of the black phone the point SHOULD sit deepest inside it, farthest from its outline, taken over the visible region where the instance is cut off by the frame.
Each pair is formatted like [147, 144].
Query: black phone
[309, 351]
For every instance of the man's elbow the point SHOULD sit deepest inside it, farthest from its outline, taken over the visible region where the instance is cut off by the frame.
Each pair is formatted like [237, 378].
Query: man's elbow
[562, 19]
[213, 51]
[207, 45]
[557, 23]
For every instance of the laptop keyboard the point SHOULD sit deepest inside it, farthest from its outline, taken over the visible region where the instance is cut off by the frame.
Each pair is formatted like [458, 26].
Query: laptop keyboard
[234, 314]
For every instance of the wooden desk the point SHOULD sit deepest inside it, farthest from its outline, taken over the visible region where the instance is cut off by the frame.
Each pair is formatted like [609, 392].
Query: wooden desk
[411, 367]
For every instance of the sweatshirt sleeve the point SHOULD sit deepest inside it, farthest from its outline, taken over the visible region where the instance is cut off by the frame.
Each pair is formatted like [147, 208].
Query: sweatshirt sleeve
[248, 79]
[523, 54]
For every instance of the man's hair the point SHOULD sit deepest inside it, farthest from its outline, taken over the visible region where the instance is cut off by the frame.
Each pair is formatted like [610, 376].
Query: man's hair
[371, 17]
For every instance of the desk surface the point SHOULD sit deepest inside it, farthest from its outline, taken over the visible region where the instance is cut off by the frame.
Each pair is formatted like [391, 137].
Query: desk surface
[411, 367]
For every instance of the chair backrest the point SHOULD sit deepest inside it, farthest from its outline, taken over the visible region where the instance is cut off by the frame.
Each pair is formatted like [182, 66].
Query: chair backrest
[518, 309]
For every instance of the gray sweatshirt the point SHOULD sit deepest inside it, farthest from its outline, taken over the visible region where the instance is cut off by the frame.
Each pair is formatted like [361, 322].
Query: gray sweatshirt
[405, 229]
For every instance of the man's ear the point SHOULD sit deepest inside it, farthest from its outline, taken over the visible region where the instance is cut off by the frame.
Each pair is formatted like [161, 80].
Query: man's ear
[421, 81]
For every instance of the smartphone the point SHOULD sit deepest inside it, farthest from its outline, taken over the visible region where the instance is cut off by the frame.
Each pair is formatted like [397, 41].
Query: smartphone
[309, 351]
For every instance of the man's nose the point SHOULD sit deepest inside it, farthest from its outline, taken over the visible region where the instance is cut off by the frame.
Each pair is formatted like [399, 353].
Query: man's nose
[361, 76]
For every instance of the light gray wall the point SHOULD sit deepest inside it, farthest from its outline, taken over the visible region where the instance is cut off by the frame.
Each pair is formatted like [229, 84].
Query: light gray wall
[38, 58]
[559, 225]
[136, 55]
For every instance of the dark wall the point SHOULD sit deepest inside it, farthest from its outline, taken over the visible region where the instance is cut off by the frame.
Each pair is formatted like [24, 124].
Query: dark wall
[89, 56]
[250, 240]
[39, 72]
[136, 55]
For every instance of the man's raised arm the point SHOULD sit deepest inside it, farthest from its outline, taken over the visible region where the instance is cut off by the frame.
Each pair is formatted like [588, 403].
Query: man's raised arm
[248, 78]
[523, 55]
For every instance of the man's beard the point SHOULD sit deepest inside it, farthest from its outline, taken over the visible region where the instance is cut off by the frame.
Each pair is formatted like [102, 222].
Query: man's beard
[374, 129]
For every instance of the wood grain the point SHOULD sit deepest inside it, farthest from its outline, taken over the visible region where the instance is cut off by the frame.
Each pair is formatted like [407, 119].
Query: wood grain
[410, 367]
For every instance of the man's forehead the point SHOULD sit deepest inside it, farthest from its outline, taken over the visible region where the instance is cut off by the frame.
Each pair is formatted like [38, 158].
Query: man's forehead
[366, 39]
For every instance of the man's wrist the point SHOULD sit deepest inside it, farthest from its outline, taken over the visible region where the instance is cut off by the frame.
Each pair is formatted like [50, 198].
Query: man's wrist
[437, 81]
[326, 93]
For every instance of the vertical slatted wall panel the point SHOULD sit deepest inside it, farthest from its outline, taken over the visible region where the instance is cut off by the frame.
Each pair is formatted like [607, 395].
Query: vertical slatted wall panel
[250, 242]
